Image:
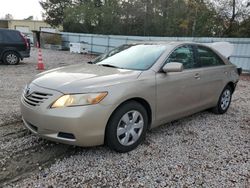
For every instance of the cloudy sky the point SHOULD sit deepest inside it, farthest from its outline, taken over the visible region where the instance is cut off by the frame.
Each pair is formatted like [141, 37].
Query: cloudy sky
[21, 9]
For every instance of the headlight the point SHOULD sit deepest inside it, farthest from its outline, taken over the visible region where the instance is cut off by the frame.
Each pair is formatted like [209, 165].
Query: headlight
[78, 99]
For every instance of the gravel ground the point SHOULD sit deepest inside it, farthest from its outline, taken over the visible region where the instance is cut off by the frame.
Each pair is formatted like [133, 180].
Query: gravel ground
[203, 150]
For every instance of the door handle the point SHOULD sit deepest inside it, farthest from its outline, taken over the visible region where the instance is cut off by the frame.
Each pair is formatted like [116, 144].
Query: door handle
[197, 76]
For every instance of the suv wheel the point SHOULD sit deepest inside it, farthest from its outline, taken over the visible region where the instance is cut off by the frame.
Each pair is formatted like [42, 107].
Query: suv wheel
[11, 58]
[127, 127]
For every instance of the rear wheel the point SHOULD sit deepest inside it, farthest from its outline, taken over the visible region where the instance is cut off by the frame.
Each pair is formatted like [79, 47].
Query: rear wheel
[127, 127]
[11, 58]
[224, 101]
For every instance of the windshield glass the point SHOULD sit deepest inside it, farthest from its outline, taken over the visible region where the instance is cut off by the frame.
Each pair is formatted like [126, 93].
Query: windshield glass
[135, 57]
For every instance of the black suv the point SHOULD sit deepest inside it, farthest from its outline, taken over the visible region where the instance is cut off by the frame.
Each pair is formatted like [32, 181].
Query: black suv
[13, 46]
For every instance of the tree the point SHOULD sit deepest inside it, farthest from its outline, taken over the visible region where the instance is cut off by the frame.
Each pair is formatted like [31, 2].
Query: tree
[54, 10]
[81, 18]
[244, 28]
[8, 17]
[151, 17]
[29, 18]
[233, 13]
[93, 16]
[201, 19]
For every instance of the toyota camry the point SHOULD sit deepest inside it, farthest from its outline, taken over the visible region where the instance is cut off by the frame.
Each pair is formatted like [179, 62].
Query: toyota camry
[117, 97]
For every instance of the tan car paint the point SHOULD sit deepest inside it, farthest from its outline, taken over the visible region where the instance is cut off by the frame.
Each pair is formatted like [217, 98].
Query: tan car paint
[169, 95]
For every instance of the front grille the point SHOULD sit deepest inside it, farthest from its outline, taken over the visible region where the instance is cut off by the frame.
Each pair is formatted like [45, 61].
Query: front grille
[36, 98]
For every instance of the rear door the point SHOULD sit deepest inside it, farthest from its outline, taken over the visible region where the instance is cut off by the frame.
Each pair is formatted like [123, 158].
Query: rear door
[178, 93]
[213, 73]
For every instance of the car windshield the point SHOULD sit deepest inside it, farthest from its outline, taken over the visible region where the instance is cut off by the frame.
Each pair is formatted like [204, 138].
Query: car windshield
[135, 57]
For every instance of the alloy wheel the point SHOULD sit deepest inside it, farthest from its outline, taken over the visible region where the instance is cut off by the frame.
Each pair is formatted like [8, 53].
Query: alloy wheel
[11, 59]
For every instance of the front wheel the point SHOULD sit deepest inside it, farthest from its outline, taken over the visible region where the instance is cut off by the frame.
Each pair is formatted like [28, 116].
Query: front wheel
[224, 101]
[127, 127]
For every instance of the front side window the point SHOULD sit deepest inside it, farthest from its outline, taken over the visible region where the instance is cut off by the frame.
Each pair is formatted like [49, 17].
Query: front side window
[134, 57]
[183, 55]
[207, 57]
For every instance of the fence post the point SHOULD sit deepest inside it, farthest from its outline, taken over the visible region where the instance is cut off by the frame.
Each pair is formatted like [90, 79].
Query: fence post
[68, 41]
[108, 43]
[91, 48]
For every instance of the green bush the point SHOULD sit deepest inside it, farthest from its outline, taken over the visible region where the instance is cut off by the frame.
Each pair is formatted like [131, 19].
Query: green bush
[53, 39]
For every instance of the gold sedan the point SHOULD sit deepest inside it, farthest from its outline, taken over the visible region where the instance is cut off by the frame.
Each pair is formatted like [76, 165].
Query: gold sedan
[116, 98]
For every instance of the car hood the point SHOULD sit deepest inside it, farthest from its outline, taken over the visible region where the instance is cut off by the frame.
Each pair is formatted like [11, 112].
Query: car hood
[84, 77]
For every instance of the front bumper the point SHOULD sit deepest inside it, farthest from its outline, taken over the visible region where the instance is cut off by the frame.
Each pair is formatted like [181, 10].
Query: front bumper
[82, 125]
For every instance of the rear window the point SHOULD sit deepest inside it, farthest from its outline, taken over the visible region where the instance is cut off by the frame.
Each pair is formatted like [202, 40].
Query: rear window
[12, 36]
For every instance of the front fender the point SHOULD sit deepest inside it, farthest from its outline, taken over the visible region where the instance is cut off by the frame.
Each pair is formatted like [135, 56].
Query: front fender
[142, 88]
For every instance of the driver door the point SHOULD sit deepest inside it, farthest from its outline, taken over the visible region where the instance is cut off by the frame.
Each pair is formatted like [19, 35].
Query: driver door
[178, 93]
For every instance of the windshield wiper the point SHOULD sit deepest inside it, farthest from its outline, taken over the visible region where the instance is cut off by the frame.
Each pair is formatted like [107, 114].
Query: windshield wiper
[108, 65]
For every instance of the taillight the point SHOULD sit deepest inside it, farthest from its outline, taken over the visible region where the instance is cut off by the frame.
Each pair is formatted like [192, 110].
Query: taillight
[25, 41]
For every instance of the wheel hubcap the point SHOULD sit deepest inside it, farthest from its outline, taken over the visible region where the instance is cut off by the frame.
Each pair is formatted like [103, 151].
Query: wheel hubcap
[225, 99]
[11, 58]
[130, 128]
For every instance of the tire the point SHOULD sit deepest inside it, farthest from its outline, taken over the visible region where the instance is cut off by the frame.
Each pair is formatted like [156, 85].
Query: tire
[123, 133]
[11, 58]
[224, 101]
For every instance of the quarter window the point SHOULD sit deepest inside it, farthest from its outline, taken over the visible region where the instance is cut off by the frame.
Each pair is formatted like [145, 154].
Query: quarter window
[12, 36]
[208, 58]
[183, 55]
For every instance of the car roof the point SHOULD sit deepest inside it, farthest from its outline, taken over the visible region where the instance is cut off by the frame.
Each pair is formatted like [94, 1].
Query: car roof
[5, 29]
[174, 43]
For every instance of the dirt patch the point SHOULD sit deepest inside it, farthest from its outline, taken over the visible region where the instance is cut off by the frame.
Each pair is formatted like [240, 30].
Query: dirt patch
[245, 77]
[21, 153]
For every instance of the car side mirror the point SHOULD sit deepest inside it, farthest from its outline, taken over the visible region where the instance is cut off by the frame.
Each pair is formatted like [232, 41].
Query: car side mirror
[173, 67]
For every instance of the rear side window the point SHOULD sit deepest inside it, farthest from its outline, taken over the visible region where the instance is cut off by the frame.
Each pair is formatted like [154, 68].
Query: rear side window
[207, 57]
[12, 36]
